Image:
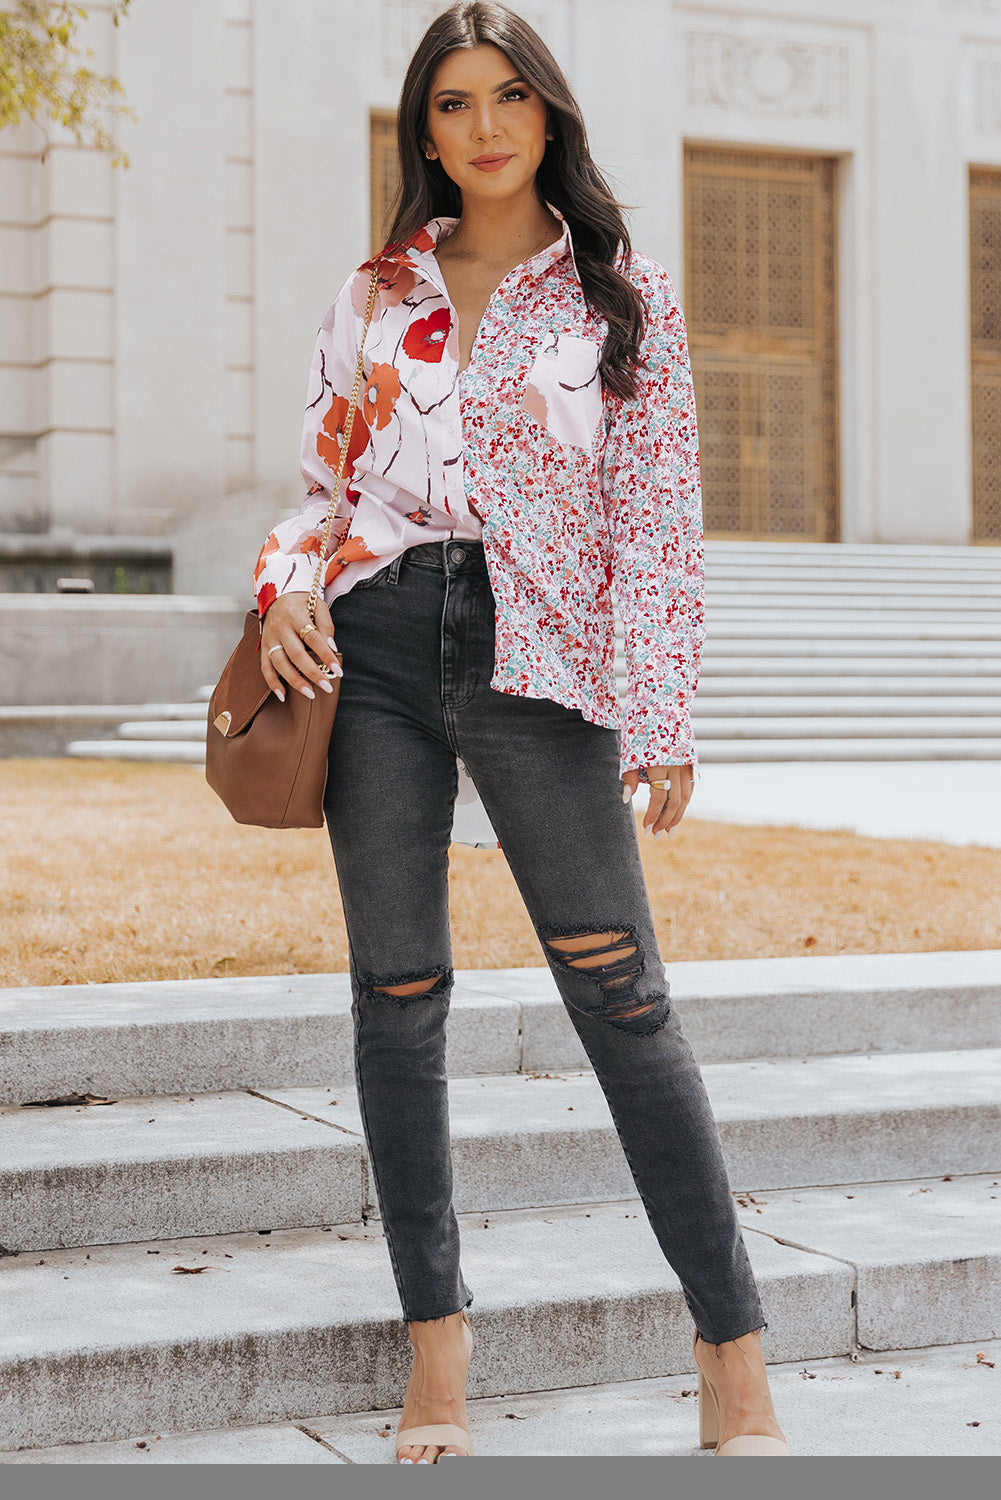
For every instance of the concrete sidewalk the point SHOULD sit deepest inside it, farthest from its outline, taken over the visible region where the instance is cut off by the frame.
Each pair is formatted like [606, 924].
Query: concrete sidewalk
[952, 802]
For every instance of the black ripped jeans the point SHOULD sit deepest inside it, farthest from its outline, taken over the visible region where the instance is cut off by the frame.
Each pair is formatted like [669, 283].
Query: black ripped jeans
[418, 645]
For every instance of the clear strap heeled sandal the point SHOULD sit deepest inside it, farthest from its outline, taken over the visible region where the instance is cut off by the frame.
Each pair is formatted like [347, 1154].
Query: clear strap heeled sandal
[436, 1434]
[747, 1443]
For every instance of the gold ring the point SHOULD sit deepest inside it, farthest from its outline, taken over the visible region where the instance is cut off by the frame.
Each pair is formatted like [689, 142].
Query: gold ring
[660, 785]
[306, 631]
[274, 649]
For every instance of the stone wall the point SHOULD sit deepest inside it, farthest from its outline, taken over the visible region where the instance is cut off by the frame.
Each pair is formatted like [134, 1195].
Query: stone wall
[157, 324]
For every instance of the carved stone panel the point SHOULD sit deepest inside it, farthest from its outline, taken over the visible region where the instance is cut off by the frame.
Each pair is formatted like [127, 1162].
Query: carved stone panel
[987, 96]
[767, 76]
[973, 7]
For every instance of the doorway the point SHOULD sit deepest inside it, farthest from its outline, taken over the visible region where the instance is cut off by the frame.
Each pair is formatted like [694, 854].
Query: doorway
[761, 307]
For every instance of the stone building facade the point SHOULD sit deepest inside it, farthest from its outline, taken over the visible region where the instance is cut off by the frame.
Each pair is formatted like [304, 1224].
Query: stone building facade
[822, 181]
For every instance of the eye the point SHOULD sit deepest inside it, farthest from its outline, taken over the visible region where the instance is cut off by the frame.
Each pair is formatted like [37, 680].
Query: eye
[445, 105]
[516, 94]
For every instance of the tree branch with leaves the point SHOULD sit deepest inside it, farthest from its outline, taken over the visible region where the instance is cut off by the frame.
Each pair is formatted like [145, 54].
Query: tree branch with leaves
[46, 74]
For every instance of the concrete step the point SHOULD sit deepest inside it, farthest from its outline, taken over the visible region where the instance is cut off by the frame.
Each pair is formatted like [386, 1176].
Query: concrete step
[198, 1036]
[103, 1343]
[763, 705]
[819, 748]
[218, 1164]
[895, 637]
[932, 557]
[880, 670]
[881, 726]
[915, 1402]
[48, 729]
[875, 600]
[949, 689]
[99, 713]
[860, 588]
[188, 752]
[835, 563]
[159, 729]
[139, 1169]
[789, 617]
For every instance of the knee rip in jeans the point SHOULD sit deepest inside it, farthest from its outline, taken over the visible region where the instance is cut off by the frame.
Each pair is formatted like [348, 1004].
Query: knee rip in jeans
[615, 961]
[407, 990]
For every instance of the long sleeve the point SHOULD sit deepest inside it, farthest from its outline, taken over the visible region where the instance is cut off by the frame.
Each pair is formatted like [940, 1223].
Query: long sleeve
[652, 494]
[288, 559]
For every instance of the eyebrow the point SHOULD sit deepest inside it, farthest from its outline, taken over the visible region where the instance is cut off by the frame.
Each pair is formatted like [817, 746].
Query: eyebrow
[465, 94]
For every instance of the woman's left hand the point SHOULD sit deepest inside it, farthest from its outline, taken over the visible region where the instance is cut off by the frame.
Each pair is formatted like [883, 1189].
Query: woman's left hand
[667, 804]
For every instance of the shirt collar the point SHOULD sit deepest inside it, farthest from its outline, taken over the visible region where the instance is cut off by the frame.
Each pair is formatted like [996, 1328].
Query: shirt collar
[419, 251]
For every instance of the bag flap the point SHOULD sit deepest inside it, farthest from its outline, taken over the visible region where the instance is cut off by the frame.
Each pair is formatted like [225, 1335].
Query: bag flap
[241, 690]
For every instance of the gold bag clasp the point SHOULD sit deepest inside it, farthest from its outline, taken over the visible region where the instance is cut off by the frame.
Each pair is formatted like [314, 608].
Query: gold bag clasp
[222, 721]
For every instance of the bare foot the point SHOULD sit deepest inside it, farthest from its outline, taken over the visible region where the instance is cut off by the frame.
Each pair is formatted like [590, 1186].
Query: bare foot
[736, 1372]
[436, 1390]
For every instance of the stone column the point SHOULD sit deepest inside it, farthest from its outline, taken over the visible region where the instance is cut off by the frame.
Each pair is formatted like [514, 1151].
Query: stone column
[311, 155]
[920, 309]
[170, 249]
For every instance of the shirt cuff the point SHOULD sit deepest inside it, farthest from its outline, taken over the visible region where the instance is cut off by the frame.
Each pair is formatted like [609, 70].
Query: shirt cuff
[664, 738]
[284, 574]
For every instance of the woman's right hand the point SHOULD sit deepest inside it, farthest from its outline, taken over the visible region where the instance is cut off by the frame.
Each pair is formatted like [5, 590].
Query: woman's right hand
[284, 652]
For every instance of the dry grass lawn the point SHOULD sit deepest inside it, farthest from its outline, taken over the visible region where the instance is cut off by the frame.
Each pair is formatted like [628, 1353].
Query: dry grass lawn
[115, 871]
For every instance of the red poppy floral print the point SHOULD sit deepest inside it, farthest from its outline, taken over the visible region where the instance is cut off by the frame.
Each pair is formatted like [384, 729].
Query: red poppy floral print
[582, 495]
[425, 338]
[381, 395]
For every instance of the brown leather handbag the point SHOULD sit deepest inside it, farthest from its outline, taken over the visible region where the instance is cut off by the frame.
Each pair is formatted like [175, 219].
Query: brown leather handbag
[266, 759]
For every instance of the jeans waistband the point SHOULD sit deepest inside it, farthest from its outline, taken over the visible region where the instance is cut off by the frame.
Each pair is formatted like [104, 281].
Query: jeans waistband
[448, 557]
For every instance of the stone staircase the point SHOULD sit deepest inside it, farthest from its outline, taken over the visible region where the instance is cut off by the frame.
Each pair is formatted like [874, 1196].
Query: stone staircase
[813, 652]
[850, 652]
[192, 1243]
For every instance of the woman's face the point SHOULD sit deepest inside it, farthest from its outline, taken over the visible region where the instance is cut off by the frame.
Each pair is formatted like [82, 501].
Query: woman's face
[478, 109]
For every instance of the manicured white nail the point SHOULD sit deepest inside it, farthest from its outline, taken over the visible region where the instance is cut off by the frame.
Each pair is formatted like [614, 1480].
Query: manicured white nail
[627, 794]
[659, 832]
[307, 692]
[406, 1460]
[422, 1460]
[330, 643]
[328, 687]
[337, 669]
[279, 695]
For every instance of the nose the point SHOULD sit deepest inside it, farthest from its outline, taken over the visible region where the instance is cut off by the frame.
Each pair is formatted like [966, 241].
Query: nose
[485, 123]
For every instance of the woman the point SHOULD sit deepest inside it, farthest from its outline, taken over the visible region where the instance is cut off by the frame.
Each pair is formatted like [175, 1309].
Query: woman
[525, 441]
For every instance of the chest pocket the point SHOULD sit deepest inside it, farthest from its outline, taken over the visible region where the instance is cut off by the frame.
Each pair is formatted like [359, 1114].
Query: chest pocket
[563, 389]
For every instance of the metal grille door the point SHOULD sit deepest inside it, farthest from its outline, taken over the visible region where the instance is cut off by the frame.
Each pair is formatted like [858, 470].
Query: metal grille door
[384, 175]
[760, 302]
[985, 298]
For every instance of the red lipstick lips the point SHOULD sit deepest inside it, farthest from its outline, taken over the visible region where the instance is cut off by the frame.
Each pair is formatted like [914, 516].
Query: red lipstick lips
[490, 163]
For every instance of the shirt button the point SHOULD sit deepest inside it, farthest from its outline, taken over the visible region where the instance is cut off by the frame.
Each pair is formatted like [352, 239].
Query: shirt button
[458, 554]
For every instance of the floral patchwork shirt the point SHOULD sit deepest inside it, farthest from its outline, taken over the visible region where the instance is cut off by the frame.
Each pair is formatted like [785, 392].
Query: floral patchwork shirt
[581, 493]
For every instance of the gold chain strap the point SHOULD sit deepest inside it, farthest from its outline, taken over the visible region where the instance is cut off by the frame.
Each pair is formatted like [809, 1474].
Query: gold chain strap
[314, 593]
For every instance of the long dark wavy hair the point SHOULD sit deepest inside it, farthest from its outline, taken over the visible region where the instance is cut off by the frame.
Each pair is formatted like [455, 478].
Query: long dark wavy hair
[567, 177]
